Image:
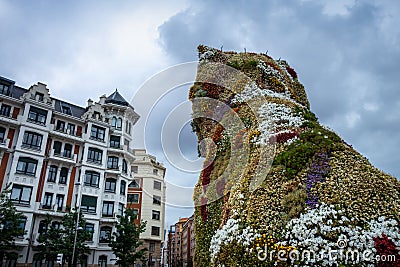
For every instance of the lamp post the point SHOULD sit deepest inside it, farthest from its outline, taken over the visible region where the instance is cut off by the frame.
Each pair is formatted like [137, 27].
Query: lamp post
[77, 227]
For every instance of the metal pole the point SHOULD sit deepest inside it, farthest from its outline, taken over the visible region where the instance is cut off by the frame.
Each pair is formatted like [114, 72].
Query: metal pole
[77, 221]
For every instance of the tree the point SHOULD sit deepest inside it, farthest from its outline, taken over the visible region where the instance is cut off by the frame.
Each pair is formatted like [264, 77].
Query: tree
[10, 223]
[61, 239]
[125, 242]
[49, 236]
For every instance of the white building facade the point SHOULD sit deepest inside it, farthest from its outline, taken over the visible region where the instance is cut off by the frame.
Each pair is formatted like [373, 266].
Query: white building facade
[57, 155]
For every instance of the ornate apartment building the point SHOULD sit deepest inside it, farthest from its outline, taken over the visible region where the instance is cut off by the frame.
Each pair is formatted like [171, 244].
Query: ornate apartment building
[58, 155]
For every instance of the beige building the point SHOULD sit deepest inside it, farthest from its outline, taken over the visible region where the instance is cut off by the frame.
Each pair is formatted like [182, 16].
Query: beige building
[59, 155]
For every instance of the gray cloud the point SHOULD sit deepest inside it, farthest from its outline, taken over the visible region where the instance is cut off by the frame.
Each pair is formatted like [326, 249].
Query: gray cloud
[346, 53]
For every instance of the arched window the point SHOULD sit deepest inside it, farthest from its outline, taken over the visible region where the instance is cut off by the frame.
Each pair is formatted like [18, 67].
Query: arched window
[119, 124]
[114, 122]
[105, 234]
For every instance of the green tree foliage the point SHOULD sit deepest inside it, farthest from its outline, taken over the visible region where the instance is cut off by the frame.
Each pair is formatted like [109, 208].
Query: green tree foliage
[10, 223]
[62, 239]
[125, 242]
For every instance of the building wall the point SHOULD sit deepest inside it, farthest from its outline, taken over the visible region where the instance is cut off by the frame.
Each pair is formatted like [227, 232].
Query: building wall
[74, 189]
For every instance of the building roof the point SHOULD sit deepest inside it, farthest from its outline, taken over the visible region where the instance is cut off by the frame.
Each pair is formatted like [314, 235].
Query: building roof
[76, 111]
[117, 98]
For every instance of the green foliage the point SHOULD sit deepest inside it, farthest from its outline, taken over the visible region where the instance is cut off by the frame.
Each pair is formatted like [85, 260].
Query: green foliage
[125, 243]
[205, 231]
[298, 154]
[62, 240]
[243, 65]
[10, 220]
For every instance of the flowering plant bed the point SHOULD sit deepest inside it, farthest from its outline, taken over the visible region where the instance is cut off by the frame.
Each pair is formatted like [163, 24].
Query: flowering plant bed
[275, 179]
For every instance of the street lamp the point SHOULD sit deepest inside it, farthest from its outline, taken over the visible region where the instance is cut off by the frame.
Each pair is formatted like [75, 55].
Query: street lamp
[77, 227]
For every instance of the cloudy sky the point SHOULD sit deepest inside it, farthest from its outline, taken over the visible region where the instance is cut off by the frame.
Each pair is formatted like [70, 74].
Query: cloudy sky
[346, 52]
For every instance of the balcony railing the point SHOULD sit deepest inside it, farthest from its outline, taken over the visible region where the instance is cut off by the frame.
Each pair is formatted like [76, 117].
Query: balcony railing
[4, 143]
[64, 131]
[63, 156]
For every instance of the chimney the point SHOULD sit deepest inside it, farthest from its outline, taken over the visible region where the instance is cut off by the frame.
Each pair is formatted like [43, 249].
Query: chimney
[102, 99]
[89, 102]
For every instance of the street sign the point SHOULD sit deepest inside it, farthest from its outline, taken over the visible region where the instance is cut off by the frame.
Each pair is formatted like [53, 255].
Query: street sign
[59, 258]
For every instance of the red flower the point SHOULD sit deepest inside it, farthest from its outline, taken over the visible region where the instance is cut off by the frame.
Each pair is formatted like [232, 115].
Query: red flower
[386, 249]
[203, 208]
[292, 72]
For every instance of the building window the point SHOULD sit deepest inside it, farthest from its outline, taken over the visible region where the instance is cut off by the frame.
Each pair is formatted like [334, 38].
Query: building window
[21, 226]
[56, 224]
[47, 200]
[155, 172]
[60, 126]
[39, 96]
[67, 151]
[108, 209]
[121, 209]
[95, 155]
[21, 194]
[66, 110]
[89, 227]
[134, 184]
[71, 128]
[105, 236]
[152, 246]
[57, 147]
[32, 140]
[122, 188]
[135, 169]
[42, 227]
[5, 110]
[37, 260]
[157, 185]
[136, 213]
[124, 166]
[115, 141]
[133, 198]
[2, 134]
[97, 133]
[156, 200]
[11, 259]
[59, 202]
[116, 123]
[26, 166]
[92, 178]
[155, 230]
[63, 175]
[155, 215]
[112, 162]
[88, 204]
[37, 115]
[110, 185]
[52, 174]
[102, 261]
[4, 89]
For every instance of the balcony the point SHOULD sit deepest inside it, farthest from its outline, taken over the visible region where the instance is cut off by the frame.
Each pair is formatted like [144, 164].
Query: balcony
[62, 157]
[4, 144]
[65, 133]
